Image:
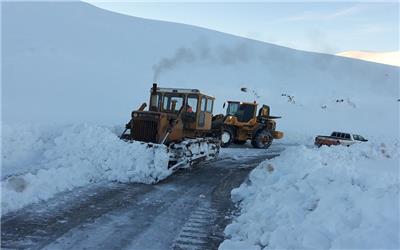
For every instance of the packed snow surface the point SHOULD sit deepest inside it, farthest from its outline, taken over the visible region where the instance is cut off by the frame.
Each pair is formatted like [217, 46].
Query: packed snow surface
[39, 162]
[321, 198]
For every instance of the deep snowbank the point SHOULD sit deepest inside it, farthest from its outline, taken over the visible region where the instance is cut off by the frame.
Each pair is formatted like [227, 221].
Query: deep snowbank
[23, 146]
[338, 197]
[72, 157]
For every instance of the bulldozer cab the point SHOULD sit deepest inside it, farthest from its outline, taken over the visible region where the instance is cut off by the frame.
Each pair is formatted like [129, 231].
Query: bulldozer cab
[173, 114]
[194, 107]
[243, 111]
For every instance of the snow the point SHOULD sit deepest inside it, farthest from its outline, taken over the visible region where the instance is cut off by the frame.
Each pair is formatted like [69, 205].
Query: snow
[76, 156]
[321, 198]
[391, 58]
[240, 152]
[247, 151]
[71, 62]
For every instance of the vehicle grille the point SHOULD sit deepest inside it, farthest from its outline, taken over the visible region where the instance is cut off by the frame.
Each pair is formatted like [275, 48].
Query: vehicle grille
[144, 130]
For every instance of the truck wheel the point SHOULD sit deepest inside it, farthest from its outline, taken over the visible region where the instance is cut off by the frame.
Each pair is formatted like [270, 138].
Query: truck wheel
[262, 139]
[227, 137]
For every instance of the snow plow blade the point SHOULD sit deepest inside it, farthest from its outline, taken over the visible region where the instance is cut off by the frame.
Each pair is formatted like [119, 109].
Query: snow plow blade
[191, 151]
[187, 152]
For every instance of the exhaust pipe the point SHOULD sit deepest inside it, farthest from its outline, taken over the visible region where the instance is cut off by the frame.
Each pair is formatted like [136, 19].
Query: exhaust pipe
[154, 89]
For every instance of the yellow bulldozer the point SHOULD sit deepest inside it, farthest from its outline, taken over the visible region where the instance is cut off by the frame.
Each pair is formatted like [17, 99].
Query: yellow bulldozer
[181, 120]
[242, 123]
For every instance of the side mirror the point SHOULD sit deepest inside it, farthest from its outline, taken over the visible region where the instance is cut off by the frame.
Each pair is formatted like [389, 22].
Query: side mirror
[223, 106]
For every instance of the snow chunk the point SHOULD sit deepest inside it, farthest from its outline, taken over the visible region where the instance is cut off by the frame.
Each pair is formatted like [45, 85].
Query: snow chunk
[321, 198]
[79, 155]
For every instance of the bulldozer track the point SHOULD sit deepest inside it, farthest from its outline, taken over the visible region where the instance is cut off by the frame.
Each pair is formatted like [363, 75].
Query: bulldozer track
[195, 232]
[188, 210]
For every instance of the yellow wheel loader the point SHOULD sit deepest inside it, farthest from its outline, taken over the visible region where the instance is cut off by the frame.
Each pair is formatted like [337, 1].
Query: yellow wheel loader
[242, 122]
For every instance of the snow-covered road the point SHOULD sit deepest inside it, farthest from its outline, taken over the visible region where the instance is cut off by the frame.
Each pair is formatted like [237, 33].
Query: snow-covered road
[189, 209]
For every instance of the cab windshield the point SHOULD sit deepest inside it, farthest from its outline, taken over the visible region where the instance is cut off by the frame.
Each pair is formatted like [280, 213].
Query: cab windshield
[232, 108]
[359, 138]
[243, 112]
[172, 103]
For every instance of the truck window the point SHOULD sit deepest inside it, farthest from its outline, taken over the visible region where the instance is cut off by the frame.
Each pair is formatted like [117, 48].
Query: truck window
[347, 136]
[334, 134]
[358, 138]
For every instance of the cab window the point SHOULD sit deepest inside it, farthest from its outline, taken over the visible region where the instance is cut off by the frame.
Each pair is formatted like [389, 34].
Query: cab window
[210, 104]
[154, 102]
[232, 108]
[203, 104]
[245, 112]
[172, 103]
[191, 106]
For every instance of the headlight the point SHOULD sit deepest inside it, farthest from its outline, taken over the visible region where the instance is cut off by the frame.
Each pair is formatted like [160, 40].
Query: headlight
[135, 115]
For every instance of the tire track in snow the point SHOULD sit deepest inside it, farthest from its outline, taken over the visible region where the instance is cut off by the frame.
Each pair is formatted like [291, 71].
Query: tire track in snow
[194, 233]
[190, 206]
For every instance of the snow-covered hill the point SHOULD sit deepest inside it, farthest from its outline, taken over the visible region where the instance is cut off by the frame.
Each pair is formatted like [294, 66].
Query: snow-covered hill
[390, 58]
[73, 62]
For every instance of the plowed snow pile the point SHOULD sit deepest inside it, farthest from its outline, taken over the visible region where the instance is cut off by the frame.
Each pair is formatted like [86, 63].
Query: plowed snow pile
[40, 164]
[320, 198]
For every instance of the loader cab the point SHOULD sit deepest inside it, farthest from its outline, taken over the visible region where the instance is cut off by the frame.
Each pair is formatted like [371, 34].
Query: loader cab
[243, 111]
[263, 111]
[192, 106]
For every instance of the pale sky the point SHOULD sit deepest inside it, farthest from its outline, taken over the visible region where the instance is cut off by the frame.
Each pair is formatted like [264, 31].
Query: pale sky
[329, 27]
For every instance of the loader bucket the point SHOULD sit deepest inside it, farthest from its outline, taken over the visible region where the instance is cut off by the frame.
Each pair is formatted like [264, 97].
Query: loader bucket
[277, 134]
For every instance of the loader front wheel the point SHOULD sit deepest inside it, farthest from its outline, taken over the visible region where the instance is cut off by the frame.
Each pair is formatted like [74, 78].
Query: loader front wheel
[262, 139]
[227, 137]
